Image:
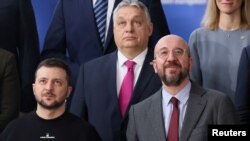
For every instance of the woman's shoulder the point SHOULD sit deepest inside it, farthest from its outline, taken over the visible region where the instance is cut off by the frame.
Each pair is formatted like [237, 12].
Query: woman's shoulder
[200, 31]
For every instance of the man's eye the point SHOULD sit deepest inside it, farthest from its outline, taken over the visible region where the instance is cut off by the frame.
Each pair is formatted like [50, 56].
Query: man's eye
[163, 53]
[42, 81]
[121, 23]
[58, 83]
[138, 23]
[178, 52]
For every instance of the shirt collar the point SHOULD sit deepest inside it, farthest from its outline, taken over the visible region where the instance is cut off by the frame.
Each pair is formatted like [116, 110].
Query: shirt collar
[139, 59]
[182, 95]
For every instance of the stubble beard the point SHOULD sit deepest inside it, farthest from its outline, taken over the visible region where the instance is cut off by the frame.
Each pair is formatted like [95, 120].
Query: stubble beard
[54, 105]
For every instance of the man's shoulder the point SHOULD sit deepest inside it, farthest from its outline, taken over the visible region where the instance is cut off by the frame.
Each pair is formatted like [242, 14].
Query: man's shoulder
[206, 92]
[21, 122]
[210, 96]
[103, 60]
[149, 101]
[73, 118]
[5, 54]
[76, 122]
[214, 95]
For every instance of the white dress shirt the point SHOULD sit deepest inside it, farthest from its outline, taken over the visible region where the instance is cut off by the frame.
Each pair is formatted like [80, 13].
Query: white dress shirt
[121, 68]
[167, 106]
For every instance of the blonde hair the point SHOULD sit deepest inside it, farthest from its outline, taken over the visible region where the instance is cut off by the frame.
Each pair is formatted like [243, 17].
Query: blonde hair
[212, 15]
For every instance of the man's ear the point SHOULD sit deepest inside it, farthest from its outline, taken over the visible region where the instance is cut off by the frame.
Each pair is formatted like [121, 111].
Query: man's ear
[33, 87]
[153, 63]
[69, 91]
[150, 28]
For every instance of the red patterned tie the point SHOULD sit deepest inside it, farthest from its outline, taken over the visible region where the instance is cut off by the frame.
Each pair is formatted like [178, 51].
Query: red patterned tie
[126, 87]
[173, 130]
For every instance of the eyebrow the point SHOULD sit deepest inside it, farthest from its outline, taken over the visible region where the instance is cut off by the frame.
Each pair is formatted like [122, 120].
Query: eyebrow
[165, 47]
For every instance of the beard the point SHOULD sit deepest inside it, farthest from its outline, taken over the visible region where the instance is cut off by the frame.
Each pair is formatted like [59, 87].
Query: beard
[54, 105]
[174, 79]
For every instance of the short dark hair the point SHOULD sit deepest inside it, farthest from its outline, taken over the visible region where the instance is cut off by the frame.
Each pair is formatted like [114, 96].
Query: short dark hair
[55, 62]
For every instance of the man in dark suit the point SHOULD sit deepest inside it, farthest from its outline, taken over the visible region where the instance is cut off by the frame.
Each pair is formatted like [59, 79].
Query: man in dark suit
[242, 94]
[73, 35]
[196, 107]
[9, 88]
[18, 35]
[98, 91]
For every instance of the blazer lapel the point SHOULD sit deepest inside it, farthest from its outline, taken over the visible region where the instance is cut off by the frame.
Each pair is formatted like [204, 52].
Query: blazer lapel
[110, 83]
[110, 75]
[156, 114]
[110, 28]
[88, 12]
[88, 20]
[195, 108]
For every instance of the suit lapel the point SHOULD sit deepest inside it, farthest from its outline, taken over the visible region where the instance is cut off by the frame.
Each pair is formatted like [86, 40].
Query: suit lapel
[86, 11]
[156, 115]
[110, 76]
[195, 108]
[110, 83]
[110, 29]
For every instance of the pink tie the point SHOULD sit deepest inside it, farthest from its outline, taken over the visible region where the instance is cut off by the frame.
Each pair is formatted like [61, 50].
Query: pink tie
[126, 87]
[173, 129]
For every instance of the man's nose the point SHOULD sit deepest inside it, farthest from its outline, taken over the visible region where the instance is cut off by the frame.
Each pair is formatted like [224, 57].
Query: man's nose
[129, 27]
[49, 86]
[171, 56]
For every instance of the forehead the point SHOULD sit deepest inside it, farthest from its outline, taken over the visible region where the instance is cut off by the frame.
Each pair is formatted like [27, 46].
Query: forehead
[130, 11]
[171, 43]
[51, 72]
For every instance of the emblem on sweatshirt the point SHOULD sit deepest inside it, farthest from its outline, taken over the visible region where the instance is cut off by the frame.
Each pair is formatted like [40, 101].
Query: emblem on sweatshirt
[47, 136]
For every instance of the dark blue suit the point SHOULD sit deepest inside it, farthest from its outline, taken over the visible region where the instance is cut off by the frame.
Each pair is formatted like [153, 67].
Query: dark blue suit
[73, 32]
[96, 97]
[242, 94]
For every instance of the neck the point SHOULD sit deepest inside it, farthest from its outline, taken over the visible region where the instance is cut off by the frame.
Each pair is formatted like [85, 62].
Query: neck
[230, 22]
[50, 113]
[173, 90]
[131, 53]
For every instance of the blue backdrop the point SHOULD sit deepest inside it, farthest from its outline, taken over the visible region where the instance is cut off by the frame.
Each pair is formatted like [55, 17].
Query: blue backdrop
[183, 15]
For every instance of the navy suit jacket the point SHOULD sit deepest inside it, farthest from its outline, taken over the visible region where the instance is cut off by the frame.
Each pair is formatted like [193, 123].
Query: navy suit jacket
[18, 35]
[73, 35]
[96, 97]
[242, 94]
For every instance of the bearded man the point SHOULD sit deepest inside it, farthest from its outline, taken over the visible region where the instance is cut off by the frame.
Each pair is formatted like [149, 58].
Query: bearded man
[181, 110]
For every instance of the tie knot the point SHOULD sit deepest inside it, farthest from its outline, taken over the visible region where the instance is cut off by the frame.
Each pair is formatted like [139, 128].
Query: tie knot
[174, 101]
[130, 64]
